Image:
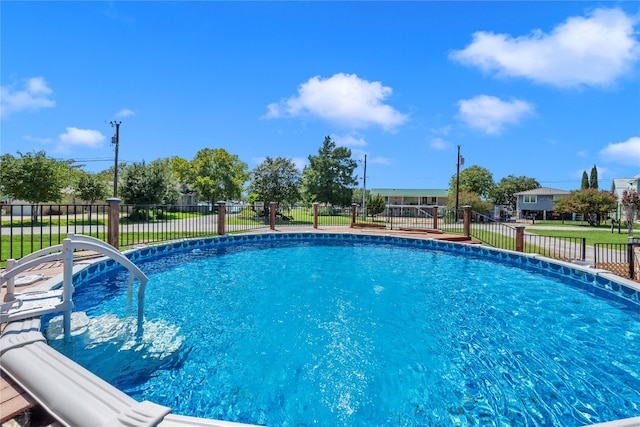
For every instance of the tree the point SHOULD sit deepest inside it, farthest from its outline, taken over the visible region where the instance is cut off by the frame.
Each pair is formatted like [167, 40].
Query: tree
[375, 205]
[34, 177]
[593, 180]
[149, 184]
[215, 174]
[631, 203]
[468, 198]
[108, 174]
[276, 180]
[356, 195]
[504, 192]
[590, 203]
[474, 179]
[329, 176]
[585, 181]
[90, 187]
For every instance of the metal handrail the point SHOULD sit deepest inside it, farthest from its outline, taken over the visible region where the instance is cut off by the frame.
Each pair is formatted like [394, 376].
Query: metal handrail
[67, 248]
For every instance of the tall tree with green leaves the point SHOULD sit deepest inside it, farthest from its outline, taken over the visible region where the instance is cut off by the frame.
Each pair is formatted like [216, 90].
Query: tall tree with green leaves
[593, 179]
[590, 203]
[469, 198]
[34, 177]
[504, 192]
[149, 184]
[90, 187]
[585, 181]
[275, 180]
[328, 178]
[216, 175]
[474, 179]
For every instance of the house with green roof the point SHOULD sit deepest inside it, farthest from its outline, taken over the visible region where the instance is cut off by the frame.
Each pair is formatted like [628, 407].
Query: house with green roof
[411, 202]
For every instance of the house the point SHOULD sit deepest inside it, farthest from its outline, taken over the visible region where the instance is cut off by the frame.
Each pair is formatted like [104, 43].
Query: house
[411, 202]
[618, 187]
[539, 203]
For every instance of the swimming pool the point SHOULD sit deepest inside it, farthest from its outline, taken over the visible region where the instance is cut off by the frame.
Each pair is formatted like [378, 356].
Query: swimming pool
[362, 330]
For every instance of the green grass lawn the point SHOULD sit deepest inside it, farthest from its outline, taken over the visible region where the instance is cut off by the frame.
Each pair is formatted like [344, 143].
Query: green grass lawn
[33, 243]
[592, 236]
[300, 217]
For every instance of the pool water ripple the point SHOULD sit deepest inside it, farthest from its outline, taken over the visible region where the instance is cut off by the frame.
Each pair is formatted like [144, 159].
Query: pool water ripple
[350, 335]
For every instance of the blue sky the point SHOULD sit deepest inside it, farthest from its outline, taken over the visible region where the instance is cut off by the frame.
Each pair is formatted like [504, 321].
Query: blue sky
[541, 89]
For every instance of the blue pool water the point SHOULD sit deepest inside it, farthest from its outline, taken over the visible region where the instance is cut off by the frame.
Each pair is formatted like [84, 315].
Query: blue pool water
[340, 333]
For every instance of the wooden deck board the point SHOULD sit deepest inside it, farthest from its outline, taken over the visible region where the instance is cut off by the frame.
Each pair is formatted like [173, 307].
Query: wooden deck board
[13, 399]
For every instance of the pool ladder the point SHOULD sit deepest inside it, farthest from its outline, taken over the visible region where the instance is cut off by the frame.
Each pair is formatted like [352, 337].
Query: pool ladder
[37, 303]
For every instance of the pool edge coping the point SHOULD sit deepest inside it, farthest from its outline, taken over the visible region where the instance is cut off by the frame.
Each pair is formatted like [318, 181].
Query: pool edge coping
[22, 334]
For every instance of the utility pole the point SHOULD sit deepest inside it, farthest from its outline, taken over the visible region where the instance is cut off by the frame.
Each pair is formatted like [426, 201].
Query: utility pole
[460, 161]
[115, 140]
[364, 190]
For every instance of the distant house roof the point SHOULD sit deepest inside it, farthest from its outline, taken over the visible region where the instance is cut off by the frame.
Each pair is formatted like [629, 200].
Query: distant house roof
[621, 184]
[543, 191]
[409, 192]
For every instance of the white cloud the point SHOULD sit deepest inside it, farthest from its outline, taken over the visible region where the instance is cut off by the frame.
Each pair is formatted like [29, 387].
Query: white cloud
[441, 131]
[626, 153]
[343, 99]
[38, 140]
[379, 161]
[33, 96]
[582, 153]
[490, 114]
[80, 137]
[349, 141]
[593, 50]
[125, 112]
[439, 144]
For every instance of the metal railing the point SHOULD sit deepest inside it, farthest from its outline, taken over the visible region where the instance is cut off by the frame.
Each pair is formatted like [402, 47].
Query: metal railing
[622, 259]
[25, 228]
[562, 248]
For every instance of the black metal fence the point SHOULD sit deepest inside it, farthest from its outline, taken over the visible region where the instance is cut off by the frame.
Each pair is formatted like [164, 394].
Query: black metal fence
[562, 248]
[622, 259]
[25, 228]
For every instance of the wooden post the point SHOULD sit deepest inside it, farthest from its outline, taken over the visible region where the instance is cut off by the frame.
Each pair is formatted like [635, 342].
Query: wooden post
[435, 217]
[113, 222]
[467, 222]
[354, 206]
[272, 214]
[315, 215]
[519, 238]
[222, 218]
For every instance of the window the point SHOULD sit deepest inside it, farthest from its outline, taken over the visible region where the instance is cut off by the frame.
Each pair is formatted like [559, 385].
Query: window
[529, 199]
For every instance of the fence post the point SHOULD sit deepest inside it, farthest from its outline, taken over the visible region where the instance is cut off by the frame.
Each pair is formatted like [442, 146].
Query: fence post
[519, 238]
[113, 222]
[467, 222]
[631, 257]
[222, 218]
[435, 217]
[272, 214]
[315, 215]
[353, 214]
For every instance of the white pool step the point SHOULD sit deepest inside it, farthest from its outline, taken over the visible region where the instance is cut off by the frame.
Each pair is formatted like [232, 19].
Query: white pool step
[31, 304]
